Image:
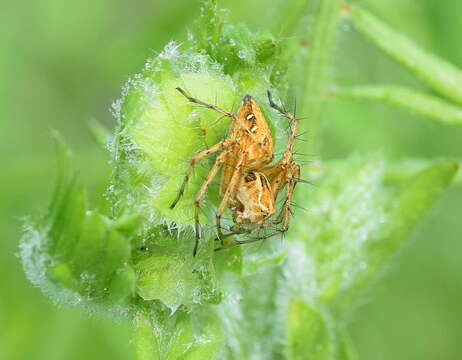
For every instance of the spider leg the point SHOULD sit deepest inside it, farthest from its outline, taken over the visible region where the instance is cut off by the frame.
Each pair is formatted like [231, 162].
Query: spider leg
[243, 231]
[213, 172]
[292, 177]
[195, 159]
[263, 225]
[237, 243]
[230, 190]
[285, 213]
[242, 242]
[293, 122]
[208, 106]
[286, 171]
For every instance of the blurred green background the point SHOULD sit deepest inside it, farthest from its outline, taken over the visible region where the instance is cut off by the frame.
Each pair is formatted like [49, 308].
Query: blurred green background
[62, 63]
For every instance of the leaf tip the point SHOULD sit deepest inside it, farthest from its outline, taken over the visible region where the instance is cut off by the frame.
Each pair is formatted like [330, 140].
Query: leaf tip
[448, 167]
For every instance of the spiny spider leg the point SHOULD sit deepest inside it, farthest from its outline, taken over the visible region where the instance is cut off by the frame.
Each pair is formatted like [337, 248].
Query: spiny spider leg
[236, 243]
[199, 156]
[209, 106]
[291, 117]
[213, 172]
[291, 177]
[195, 159]
[230, 190]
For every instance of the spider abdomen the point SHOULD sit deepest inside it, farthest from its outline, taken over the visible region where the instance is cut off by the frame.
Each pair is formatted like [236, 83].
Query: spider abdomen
[256, 202]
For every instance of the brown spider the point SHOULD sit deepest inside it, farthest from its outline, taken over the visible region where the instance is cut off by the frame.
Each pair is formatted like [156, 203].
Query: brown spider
[249, 187]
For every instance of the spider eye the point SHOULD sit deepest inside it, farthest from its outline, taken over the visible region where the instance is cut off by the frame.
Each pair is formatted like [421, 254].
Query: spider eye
[250, 177]
[247, 98]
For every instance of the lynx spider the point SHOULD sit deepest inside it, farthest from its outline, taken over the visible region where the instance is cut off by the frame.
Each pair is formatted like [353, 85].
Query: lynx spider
[249, 186]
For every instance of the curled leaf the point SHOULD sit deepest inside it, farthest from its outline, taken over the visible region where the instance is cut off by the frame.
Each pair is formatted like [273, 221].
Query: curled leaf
[76, 255]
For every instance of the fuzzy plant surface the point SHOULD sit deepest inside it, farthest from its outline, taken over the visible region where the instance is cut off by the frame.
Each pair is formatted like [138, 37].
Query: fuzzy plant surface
[284, 298]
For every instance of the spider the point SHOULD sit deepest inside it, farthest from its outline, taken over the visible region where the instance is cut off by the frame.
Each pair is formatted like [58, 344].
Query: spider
[249, 186]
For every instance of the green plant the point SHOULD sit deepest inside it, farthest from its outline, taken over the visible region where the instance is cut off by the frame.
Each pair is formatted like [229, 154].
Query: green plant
[267, 300]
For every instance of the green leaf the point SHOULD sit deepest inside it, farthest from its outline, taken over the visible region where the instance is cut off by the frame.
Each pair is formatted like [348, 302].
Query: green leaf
[176, 279]
[411, 100]
[163, 336]
[160, 130]
[406, 208]
[436, 72]
[237, 48]
[403, 169]
[308, 333]
[411, 203]
[344, 216]
[76, 255]
[356, 223]
[147, 344]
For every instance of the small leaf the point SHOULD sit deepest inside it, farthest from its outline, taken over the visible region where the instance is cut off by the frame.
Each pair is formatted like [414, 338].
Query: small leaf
[123, 285]
[308, 333]
[101, 133]
[419, 103]
[436, 72]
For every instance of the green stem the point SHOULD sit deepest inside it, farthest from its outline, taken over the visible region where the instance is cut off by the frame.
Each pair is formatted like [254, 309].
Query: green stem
[409, 99]
[289, 21]
[319, 61]
[397, 172]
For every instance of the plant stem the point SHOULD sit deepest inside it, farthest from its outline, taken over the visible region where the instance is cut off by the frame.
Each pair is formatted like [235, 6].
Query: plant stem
[409, 99]
[441, 75]
[323, 37]
[288, 22]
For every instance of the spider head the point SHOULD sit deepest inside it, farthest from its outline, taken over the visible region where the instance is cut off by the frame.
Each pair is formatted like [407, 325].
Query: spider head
[247, 99]
[251, 116]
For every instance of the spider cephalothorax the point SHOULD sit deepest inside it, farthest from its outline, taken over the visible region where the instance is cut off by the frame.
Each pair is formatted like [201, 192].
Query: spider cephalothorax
[249, 186]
